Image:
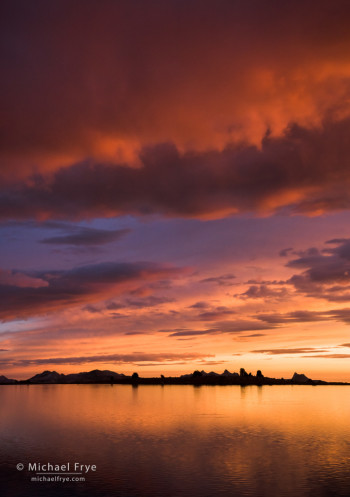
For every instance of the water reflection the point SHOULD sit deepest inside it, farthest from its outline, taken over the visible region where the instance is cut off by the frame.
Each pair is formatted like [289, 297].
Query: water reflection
[179, 440]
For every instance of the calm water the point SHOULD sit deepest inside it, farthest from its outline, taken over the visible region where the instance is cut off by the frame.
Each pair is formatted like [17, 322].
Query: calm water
[155, 441]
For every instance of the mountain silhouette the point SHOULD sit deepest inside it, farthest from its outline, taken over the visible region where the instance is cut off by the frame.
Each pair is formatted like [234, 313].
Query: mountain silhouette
[196, 378]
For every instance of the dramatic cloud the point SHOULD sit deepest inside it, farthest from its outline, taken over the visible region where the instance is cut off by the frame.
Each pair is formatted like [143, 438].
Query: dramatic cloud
[214, 131]
[250, 124]
[60, 289]
[295, 171]
[108, 77]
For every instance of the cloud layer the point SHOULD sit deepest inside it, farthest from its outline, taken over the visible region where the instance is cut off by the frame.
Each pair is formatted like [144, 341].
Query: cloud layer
[304, 171]
[101, 79]
[132, 358]
[90, 96]
[23, 295]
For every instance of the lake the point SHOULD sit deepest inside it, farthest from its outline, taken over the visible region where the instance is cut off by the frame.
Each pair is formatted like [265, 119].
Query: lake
[154, 441]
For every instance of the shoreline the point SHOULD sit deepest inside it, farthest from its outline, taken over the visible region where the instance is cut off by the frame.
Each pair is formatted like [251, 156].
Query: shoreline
[176, 382]
[197, 378]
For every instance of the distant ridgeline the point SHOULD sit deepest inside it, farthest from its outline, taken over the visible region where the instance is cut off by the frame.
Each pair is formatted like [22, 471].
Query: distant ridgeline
[196, 378]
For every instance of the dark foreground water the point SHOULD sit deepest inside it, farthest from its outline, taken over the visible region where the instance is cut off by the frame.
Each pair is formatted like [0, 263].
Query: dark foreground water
[154, 441]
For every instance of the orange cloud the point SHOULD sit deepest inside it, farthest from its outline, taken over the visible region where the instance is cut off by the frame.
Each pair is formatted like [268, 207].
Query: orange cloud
[106, 80]
[303, 171]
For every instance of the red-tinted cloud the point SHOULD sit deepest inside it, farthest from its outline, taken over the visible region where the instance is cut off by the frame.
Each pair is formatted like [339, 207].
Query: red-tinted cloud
[97, 84]
[105, 78]
[303, 171]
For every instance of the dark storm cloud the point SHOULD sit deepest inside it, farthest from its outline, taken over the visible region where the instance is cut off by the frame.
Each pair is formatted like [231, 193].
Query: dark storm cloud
[252, 97]
[283, 173]
[75, 72]
[42, 291]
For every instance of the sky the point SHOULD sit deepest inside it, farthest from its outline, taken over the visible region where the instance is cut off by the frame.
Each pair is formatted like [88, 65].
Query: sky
[174, 187]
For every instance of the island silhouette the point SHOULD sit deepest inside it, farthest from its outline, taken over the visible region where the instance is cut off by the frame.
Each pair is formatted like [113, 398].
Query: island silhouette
[196, 378]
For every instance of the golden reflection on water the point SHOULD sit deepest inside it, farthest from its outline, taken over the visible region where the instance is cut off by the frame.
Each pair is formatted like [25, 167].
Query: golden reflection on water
[291, 409]
[271, 440]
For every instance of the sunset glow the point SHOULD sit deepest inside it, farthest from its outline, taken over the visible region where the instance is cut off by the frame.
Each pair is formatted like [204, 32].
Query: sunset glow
[174, 187]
